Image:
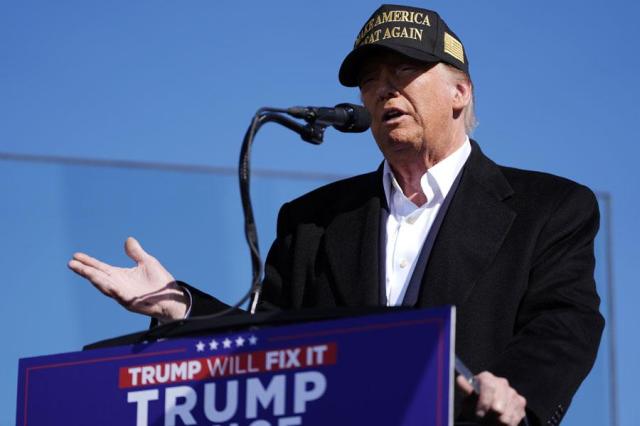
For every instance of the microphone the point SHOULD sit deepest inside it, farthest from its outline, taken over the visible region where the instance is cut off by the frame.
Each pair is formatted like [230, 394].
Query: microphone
[344, 117]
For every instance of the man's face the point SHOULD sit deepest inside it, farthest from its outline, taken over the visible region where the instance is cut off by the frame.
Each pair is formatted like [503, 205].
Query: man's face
[411, 105]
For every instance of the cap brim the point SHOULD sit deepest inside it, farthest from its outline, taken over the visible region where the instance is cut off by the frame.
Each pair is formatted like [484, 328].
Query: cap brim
[350, 68]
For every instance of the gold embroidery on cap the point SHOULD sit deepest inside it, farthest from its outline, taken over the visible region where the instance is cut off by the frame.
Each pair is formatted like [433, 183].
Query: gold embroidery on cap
[453, 47]
[417, 18]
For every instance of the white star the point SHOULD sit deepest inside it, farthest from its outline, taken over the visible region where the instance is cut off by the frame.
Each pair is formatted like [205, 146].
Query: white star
[213, 344]
[239, 342]
[253, 340]
[226, 343]
[200, 346]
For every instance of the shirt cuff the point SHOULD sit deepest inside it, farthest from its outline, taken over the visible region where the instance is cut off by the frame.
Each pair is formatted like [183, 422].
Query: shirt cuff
[189, 305]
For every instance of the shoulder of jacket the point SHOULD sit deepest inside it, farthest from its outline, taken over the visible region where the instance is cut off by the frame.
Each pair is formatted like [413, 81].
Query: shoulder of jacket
[341, 195]
[545, 188]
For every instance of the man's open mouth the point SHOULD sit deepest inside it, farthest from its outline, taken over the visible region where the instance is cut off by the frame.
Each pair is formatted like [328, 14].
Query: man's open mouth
[391, 113]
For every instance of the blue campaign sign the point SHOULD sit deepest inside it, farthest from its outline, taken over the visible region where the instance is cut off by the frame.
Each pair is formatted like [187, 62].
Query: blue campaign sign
[389, 369]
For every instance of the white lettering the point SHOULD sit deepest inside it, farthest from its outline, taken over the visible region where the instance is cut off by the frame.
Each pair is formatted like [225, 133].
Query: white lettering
[250, 365]
[271, 359]
[275, 392]
[178, 371]
[290, 421]
[218, 367]
[147, 375]
[302, 394]
[142, 398]
[194, 368]
[319, 351]
[231, 406]
[134, 371]
[173, 410]
[162, 372]
[292, 358]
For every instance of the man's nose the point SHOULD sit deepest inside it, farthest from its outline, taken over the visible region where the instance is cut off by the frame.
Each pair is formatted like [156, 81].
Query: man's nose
[387, 86]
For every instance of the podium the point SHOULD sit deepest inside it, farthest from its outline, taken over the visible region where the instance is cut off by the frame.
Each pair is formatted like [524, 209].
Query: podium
[319, 368]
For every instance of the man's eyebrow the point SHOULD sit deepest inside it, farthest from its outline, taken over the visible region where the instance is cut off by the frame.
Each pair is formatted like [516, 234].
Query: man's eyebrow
[367, 69]
[365, 72]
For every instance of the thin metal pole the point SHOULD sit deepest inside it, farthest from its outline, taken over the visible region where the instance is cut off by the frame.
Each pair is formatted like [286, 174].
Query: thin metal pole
[607, 225]
[613, 373]
[164, 167]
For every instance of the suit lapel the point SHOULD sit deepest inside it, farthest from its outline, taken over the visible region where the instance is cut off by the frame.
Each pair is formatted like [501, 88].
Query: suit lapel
[352, 246]
[471, 234]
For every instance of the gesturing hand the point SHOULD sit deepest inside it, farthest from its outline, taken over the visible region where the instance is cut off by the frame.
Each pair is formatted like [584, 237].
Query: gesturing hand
[498, 403]
[147, 288]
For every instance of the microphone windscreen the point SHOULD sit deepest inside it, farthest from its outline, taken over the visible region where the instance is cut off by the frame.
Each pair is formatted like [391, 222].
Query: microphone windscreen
[359, 118]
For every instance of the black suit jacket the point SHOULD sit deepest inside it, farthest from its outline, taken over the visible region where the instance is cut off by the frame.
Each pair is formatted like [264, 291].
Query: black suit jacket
[514, 254]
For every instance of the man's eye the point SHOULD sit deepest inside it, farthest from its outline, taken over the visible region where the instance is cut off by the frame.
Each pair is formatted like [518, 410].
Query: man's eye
[406, 68]
[366, 80]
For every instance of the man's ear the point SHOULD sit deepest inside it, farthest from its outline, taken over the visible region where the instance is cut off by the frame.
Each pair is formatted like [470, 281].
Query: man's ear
[462, 93]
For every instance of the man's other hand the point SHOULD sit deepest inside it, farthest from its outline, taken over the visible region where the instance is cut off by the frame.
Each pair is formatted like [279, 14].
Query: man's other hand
[147, 288]
[498, 403]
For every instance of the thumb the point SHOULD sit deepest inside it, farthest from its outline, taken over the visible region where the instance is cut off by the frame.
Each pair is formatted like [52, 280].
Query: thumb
[464, 385]
[134, 250]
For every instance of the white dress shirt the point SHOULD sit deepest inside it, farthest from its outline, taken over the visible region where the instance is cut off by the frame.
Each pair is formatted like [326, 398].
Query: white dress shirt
[408, 225]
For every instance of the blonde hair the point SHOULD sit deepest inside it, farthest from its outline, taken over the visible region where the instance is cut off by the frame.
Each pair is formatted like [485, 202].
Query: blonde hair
[470, 120]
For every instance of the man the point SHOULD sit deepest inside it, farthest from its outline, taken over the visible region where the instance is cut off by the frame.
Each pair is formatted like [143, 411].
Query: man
[438, 223]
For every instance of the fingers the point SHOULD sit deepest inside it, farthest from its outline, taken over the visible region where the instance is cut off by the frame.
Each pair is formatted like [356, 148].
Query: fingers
[499, 399]
[147, 288]
[517, 412]
[134, 250]
[491, 394]
[97, 277]
[92, 262]
[464, 385]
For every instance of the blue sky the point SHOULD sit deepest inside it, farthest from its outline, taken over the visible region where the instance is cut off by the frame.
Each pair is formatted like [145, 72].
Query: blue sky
[177, 82]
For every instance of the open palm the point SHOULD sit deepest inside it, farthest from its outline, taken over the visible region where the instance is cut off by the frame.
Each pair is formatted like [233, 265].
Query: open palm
[147, 288]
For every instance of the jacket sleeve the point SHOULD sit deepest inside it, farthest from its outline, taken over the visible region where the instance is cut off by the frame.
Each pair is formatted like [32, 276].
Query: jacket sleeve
[273, 286]
[276, 291]
[558, 328]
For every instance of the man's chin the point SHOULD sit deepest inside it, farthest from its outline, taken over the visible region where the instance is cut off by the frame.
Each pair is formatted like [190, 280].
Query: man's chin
[402, 144]
[400, 151]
